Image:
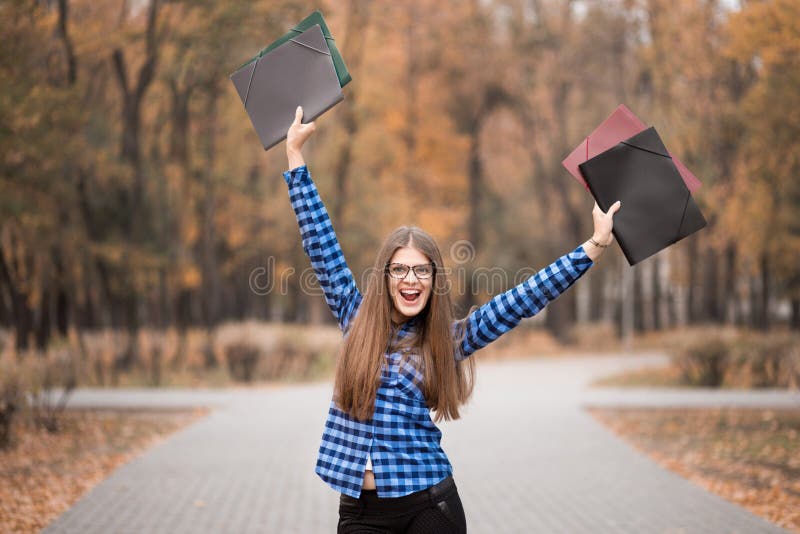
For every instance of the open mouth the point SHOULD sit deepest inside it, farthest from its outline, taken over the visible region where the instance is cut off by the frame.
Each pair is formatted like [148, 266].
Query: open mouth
[410, 295]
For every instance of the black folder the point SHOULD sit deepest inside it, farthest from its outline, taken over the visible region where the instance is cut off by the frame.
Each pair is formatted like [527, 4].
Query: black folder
[299, 72]
[657, 207]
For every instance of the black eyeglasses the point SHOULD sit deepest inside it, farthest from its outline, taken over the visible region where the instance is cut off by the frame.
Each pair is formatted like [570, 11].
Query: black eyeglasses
[400, 270]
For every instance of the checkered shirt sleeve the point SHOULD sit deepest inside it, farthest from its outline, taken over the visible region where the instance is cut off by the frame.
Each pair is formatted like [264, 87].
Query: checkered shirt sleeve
[505, 311]
[322, 247]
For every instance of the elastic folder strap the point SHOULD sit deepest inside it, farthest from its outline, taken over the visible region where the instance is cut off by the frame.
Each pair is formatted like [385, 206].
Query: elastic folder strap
[249, 83]
[311, 47]
[327, 38]
[646, 150]
[683, 216]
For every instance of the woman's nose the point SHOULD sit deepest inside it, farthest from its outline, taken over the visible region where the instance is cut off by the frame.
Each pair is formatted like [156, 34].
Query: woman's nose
[411, 273]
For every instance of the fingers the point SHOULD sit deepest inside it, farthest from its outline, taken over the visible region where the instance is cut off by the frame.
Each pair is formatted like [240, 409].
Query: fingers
[611, 211]
[298, 115]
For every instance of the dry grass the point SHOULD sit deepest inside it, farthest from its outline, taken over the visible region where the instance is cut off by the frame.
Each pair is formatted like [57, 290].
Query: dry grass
[289, 352]
[195, 358]
[44, 474]
[669, 377]
[719, 357]
[747, 456]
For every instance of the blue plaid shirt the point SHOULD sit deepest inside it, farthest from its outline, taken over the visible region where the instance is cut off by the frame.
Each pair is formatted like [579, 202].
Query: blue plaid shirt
[401, 439]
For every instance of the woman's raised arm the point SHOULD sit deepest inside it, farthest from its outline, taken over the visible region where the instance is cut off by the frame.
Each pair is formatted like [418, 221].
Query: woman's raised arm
[316, 230]
[505, 311]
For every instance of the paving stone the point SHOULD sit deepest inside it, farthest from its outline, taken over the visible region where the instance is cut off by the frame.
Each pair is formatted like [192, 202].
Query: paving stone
[526, 456]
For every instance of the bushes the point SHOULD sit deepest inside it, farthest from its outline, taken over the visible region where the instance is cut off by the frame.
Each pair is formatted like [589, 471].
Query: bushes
[704, 362]
[243, 351]
[712, 358]
[10, 401]
[769, 360]
[260, 351]
[242, 358]
[51, 379]
[35, 387]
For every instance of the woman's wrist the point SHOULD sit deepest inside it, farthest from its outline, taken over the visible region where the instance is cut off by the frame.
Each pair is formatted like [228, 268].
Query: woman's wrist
[601, 242]
[295, 157]
[594, 247]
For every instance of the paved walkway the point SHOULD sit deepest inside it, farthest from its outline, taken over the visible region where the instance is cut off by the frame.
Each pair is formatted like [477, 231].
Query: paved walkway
[527, 458]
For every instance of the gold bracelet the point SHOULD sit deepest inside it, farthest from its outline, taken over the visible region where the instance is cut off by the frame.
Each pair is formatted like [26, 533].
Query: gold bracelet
[595, 243]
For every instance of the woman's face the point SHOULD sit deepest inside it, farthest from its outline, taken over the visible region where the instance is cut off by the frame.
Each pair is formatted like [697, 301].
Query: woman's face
[410, 294]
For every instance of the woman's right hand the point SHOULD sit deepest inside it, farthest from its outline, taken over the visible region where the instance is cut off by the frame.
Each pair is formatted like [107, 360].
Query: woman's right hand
[297, 135]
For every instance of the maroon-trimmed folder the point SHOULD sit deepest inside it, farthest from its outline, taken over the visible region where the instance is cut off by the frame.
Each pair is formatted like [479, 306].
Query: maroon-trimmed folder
[657, 207]
[620, 125]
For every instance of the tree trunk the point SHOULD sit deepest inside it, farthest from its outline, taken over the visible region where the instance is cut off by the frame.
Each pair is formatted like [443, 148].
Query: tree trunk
[42, 333]
[211, 281]
[764, 322]
[711, 305]
[62, 299]
[598, 296]
[179, 140]
[658, 297]
[639, 303]
[692, 297]
[473, 215]
[609, 299]
[130, 152]
[648, 285]
[627, 321]
[93, 231]
[755, 302]
[5, 312]
[583, 299]
[72, 64]
[558, 319]
[21, 312]
[353, 49]
[729, 286]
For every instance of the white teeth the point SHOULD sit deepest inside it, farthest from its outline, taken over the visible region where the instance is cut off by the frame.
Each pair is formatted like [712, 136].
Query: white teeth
[410, 292]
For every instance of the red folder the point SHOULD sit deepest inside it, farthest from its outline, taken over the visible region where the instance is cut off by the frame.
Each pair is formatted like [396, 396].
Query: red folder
[621, 125]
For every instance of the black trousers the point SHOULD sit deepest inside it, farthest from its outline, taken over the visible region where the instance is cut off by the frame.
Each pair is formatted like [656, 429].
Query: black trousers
[436, 510]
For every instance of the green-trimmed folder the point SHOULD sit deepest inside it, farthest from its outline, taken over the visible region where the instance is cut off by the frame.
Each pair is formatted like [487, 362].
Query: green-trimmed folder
[297, 73]
[305, 24]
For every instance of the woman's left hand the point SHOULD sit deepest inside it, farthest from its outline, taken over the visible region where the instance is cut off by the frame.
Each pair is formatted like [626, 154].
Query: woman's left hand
[604, 222]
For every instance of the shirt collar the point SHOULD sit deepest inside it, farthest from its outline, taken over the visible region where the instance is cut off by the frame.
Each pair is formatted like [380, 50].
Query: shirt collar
[408, 326]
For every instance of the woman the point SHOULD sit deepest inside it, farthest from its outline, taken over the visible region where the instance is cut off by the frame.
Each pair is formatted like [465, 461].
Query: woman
[402, 357]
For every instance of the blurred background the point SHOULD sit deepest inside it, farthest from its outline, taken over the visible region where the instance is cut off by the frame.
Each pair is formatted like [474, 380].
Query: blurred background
[139, 214]
[147, 239]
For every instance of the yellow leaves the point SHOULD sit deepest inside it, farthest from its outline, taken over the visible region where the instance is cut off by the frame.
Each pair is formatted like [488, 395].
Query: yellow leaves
[394, 120]
[768, 30]
[745, 217]
[190, 229]
[743, 455]
[191, 278]
[441, 223]
[109, 252]
[765, 37]
[45, 474]
[237, 235]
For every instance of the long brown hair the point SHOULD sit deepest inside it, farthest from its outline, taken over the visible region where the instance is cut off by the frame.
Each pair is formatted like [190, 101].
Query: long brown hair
[447, 382]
